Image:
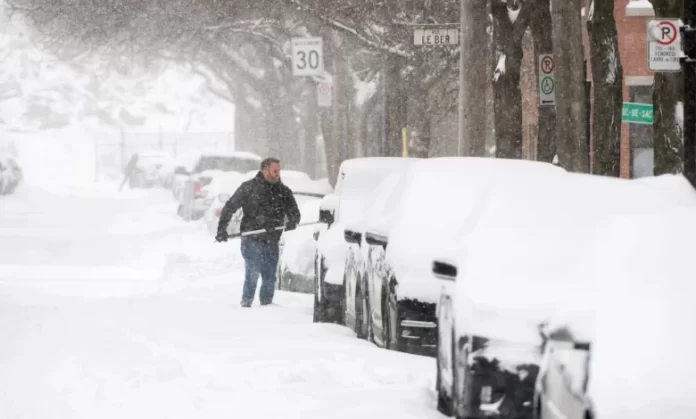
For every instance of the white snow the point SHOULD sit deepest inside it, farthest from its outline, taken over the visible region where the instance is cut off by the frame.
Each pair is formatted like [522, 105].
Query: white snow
[439, 198]
[148, 325]
[679, 114]
[357, 180]
[510, 273]
[299, 246]
[644, 345]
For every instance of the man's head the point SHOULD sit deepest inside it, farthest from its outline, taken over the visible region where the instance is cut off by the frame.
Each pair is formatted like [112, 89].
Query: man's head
[270, 167]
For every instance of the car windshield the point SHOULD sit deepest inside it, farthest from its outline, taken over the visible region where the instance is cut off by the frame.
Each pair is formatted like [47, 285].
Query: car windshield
[226, 164]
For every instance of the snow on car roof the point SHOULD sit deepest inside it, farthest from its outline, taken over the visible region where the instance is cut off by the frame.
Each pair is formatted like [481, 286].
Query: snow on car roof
[237, 154]
[540, 228]
[644, 330]
[437, 198]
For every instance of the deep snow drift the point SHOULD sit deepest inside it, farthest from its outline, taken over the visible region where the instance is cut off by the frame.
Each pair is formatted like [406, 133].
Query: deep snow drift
[112, 307]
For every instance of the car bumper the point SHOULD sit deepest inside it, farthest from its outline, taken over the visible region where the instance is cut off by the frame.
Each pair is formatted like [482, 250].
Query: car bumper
[502, 376]
[418, 322]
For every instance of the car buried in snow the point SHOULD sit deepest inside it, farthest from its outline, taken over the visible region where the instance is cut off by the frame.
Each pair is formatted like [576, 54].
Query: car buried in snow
[511, 273]
[591, 366]
[357, 178]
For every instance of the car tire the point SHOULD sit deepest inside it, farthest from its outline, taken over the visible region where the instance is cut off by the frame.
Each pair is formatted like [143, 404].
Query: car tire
[361, 314]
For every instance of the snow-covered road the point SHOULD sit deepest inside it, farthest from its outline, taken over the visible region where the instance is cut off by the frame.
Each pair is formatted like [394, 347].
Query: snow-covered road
[112, 307]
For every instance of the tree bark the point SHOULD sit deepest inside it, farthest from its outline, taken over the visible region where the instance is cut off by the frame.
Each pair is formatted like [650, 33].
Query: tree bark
[343, 94]
[311, 130]
[472, 79]
[540, 23]
[510, 23]
[571, 129]
[395, 105]
[607, 82]
[668, 89]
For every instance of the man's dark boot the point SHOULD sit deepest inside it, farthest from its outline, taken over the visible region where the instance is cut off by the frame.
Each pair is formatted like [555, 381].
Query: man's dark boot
[246, 303]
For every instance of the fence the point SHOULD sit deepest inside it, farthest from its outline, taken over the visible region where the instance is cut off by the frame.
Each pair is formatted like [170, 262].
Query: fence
[112, 154]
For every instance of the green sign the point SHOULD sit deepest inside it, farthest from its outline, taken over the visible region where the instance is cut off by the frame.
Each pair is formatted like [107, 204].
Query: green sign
[637, 113]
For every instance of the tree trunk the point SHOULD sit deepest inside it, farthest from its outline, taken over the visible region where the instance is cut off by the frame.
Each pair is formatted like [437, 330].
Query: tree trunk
[311, 130]
[342, 97]
[510, 23]
[607, 81]
[571, 129]
[668, 89]
[540, 24]
[472, 79]
[395, 105]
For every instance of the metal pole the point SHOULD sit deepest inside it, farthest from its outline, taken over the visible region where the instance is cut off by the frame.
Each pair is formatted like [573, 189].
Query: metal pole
[689, 68]
[460, 134]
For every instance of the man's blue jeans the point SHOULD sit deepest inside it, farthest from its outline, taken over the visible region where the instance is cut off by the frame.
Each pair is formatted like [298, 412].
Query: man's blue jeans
[260, 258]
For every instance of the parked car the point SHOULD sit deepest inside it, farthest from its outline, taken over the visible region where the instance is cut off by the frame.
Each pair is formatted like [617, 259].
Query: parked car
[148, 169]
[192, 205]
[592, 366]
[219, 191]
[357, 178]
[297, 249]
[511, 275]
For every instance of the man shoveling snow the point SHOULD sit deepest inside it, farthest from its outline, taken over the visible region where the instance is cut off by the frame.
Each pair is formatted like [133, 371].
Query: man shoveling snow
[266, 203]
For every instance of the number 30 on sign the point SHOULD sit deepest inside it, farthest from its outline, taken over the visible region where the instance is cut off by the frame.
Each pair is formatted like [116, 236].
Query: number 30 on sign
[307, 56]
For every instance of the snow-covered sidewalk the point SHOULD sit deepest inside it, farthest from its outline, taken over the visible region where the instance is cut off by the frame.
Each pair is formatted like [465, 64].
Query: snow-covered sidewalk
[149, 326]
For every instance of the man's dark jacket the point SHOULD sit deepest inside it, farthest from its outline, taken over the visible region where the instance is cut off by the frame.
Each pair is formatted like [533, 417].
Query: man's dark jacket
[263, 205]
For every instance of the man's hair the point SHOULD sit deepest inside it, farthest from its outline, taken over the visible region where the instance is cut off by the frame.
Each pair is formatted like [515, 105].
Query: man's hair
[268, 161]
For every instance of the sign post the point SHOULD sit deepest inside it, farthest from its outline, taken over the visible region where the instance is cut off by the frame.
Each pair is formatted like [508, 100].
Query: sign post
[547, 80]
[664, 45]
[424, 36]
[637, 113]
[324, 96]
[307, 56]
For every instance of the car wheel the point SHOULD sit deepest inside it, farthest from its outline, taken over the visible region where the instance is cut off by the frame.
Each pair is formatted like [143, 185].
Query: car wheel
[319, 315]
[445, 404]
[361, 314]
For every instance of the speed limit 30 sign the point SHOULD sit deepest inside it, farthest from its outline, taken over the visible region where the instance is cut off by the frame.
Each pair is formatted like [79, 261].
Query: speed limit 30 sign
[307, 56]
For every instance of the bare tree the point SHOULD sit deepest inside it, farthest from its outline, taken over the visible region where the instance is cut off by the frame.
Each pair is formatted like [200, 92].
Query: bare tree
[540, 23]
[607, 82]
[571, 131]
[668, 90]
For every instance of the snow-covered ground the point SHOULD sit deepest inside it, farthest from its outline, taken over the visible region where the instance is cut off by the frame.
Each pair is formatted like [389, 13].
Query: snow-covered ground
[112, 307]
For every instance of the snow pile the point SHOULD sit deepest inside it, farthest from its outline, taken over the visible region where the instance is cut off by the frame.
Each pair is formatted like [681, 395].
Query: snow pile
[440, 197]
[645, 262]
[299, 246]
[529, 234]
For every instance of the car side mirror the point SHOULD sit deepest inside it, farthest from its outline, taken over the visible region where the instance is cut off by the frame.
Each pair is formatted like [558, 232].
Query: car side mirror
[375, 239]
[563, 335]
[352, 237]
[326, 216]
[327, 209]
[444, 270]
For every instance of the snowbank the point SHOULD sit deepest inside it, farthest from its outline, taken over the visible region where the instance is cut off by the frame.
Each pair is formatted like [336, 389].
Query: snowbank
[299, 246]
[440, 197]
[642, 356]
[520, 249]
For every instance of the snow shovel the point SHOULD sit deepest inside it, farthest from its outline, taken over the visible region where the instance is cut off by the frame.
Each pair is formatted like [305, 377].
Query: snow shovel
[263, 230]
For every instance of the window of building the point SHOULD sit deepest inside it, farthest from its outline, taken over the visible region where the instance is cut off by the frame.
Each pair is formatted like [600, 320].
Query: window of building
[641, 136]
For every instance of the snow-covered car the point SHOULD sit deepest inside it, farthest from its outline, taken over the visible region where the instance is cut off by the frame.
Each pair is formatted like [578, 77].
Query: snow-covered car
[204, 169]
[148, 169]
[11, 174]
[219, 191]
[357, 178]
[426, 205]
[590, 343]
[512, 273]
[297, 249]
